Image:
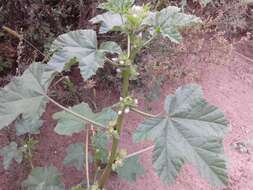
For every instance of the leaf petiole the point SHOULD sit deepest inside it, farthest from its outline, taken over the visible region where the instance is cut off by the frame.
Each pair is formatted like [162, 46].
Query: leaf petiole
[149, 40]
[111, 62]
[74, 113]
[144, 113]
[87, 158]
[139, 152]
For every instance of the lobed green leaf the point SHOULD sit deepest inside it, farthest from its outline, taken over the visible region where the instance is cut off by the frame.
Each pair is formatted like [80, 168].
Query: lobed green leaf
[81, 45]
[10, 153]
[168, 21]
[44, 178]
[108, 22]
[75, 156]
[99, 142]
[25, 96]
[110, 47]
[191, 131]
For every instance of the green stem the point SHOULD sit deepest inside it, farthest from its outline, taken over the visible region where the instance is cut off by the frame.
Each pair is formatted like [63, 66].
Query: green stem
[115, 141]
[30, 153]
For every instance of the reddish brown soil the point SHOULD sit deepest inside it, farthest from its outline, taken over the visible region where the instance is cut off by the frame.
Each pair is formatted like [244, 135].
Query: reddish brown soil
[228, 85]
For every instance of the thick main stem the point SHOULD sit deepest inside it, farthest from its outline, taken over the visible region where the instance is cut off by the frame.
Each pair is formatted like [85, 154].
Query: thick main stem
[115, 142]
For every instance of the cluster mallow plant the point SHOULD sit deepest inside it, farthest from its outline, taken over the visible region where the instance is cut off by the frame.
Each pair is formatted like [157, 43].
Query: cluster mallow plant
[190, 130]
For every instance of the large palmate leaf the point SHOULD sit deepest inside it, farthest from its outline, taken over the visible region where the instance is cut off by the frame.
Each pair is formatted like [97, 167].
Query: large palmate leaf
[191, 131]
[117, 6]
[25, 95]
[81, 45]
[44, 178]
[10, 153]
[75, 156]
[131, 169]
[108, 21]
[69, 124]
[168, 21]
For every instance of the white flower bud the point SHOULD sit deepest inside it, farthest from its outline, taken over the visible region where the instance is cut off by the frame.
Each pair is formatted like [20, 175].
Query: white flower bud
[25, 146]
[121, 99]
[115, 59]
[135, 15]
[136, 10]
[114, 167]
[140, 34]
[119, 112]
[127, 110]
[119, 163]
[121, 62]
[136, 101]
[123, 153]
[118, 70]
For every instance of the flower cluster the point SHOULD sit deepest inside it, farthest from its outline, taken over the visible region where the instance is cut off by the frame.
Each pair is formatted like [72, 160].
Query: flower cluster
[119, 161]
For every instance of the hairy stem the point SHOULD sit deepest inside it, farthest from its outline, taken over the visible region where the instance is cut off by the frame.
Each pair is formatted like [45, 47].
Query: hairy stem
[115, 141]
[74, 113]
